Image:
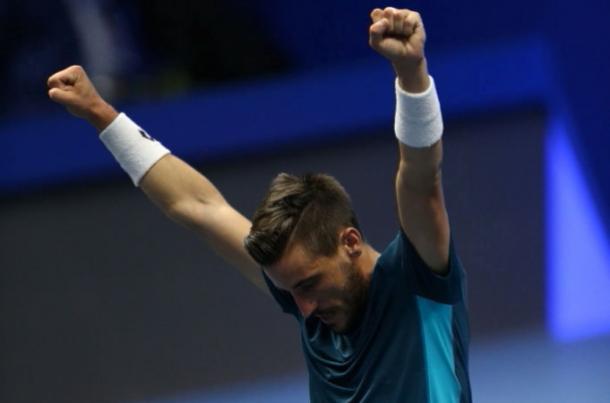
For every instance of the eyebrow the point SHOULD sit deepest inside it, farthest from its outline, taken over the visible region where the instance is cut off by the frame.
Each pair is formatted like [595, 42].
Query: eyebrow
[305, 280]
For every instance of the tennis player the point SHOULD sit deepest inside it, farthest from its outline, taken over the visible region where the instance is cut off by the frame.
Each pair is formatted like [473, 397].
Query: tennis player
[378, 327]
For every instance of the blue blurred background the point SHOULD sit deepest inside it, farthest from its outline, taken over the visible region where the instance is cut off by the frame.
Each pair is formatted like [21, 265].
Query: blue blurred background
[104, 300]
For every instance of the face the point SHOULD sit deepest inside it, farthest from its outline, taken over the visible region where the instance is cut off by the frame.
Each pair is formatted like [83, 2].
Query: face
[333, 289]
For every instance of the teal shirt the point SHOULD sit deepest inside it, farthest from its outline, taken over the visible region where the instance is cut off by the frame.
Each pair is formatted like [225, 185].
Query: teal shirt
[411, 345]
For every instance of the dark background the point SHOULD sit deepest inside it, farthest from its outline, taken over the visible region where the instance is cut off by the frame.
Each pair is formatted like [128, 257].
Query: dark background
[104, 299]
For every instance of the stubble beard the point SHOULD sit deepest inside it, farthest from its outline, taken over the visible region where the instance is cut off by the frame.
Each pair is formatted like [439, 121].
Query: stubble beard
[356, 295]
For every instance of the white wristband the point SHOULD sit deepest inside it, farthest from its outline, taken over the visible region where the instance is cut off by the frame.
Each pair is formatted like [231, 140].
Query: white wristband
[418, 121]
[132, 147]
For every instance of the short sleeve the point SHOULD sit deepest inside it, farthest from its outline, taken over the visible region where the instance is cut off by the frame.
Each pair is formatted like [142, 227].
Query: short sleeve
[283, 298]
[447, 289]
[421, 280]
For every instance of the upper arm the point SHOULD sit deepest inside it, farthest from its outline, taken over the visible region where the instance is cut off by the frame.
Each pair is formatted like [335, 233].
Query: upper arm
[224, 229]
[192, 200]
[421, 204]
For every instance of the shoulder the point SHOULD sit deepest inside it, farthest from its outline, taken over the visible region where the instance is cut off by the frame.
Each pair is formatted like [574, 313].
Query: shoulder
[402, 262]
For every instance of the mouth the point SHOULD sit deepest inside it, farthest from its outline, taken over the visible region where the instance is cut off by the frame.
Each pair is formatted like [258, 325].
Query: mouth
[326, 317]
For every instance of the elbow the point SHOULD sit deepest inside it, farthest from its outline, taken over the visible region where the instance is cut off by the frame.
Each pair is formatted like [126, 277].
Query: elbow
[182, 212]
[195, 214]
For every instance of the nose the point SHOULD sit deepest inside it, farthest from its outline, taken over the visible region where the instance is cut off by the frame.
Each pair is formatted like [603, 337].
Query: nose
[306, 305]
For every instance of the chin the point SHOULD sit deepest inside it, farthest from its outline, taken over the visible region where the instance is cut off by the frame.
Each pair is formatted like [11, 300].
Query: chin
[344, 326]
[340, 329]
[337, 325]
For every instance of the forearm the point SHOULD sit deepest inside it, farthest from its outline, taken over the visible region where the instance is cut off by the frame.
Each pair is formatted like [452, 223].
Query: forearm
[176, 187]
[412, 77]
[101, 115]
[419, 167]
[399, 35]
[179, 190]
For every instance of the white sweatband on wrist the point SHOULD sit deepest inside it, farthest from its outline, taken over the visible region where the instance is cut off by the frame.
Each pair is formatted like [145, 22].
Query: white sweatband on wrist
[418, 121]
[132, 147]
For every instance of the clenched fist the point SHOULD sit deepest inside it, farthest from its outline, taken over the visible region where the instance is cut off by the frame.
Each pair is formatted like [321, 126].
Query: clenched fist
[399, 36]
[72, 88]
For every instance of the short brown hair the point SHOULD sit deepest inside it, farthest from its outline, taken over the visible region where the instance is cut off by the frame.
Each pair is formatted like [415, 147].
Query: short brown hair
[310, 209]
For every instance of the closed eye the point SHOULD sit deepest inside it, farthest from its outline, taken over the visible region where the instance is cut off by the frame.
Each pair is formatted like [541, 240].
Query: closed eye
[307, 284]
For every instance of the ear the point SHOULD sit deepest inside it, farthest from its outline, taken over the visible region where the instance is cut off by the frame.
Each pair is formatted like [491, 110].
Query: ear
[351, 240]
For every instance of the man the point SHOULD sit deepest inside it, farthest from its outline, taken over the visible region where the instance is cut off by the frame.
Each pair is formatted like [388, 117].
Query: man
[389, 327]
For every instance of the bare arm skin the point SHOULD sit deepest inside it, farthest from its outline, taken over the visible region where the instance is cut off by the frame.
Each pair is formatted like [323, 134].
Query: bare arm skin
[176, 188]
[192, 200]
[399, 36]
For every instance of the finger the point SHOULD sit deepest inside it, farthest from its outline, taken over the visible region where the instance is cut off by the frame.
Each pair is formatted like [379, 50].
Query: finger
[59, 78]
[66, 77]
[55, 80]
[62, 79]
[378, 30]
[413, 24]
[409, 24]
[399, 19]
[376, 15]
[62, 96]
[388, 14]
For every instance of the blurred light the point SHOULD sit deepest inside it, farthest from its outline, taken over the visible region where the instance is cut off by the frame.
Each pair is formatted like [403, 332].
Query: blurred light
[578, 251]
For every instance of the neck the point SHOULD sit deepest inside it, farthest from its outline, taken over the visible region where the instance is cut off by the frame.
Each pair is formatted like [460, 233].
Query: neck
[369, 259]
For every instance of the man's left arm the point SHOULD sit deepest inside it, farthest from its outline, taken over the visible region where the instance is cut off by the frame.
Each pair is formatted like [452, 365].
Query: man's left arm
[399, 36]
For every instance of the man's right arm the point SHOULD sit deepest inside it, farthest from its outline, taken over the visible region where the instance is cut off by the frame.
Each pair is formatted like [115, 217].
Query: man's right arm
[190, 199]
[176, 188]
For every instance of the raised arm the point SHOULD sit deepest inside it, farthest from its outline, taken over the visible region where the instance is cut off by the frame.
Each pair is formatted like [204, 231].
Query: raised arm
[176, 188]
[399, 36]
